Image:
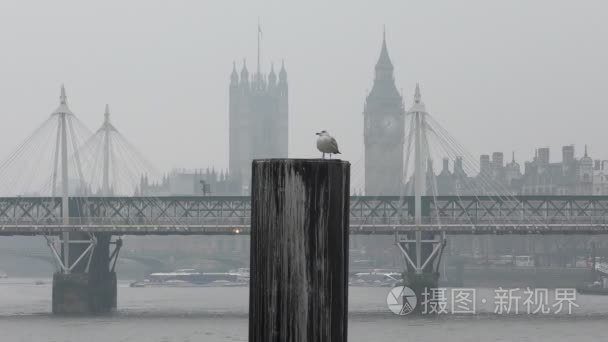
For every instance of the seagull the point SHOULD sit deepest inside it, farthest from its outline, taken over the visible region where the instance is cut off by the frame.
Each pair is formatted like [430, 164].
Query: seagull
[327, 144]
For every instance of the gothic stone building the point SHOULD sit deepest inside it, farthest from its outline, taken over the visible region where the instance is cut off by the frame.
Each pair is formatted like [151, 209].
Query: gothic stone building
[571, 176]
[384, 126]
[258, 119]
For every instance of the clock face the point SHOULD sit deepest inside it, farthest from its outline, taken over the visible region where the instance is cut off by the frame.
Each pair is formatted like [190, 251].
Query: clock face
[389, 123]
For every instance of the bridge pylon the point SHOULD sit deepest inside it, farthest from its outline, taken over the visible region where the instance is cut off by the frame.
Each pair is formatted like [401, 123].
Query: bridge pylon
[85, 281]
[422, 250]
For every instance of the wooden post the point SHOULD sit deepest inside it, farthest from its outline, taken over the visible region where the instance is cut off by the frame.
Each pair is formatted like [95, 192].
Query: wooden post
[299, 250]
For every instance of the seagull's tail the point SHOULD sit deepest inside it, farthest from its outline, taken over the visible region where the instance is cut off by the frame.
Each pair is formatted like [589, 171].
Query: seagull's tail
[337, 152]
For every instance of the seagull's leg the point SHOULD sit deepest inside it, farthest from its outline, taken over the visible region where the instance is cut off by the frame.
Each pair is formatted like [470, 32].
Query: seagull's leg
[330, 156]
[323, 155]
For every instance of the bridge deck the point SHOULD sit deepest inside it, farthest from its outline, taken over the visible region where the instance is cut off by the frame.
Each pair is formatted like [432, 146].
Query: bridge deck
[355, 229]
[208, 215]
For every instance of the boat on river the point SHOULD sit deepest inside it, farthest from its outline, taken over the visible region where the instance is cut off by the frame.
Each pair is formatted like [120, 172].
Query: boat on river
[591, 290]
[192, 278]
[598, 287]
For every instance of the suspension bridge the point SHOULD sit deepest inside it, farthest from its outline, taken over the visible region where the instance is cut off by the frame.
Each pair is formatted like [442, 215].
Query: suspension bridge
[76, 188]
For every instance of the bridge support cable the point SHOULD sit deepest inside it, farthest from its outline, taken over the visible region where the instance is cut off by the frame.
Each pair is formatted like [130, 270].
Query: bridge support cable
[483, 200]
[423, 182]
[481, 185]
[76, 156]
[122, 166]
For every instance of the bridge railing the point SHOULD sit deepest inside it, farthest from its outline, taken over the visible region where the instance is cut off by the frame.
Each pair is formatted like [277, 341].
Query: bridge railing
[129, 221]
[354, 221]
[472, 221]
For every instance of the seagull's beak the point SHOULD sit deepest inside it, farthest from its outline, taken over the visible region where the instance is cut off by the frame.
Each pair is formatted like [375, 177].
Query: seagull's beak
[317, 133]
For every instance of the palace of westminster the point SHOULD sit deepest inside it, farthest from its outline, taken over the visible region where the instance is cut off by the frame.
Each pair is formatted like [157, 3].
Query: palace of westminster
[258, 105]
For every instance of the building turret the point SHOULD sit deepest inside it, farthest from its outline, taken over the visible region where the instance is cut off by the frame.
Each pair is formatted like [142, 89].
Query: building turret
[513, 165]
[458, 168]
[586, 167]
[234, 76]
[585, 174]
[512, 172]
[272, 79]
[282, 91]
[282, 86]
[445, 171]
[244, 75]
[444, 179]
[484, 165]
[283, 74]
[497, 166]
[543, 156]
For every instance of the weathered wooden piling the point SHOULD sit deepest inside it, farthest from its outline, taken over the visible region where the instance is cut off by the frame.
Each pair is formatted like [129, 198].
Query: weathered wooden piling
[299, 250]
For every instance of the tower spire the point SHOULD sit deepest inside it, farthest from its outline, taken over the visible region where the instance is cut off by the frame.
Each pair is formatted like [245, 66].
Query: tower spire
[282, 73]
[107, 114]
[417, 95]
[418, 106]
[62, 98]
[63, 103]
[586, 155]
[384, 35]
[234, 76]
[384, 62]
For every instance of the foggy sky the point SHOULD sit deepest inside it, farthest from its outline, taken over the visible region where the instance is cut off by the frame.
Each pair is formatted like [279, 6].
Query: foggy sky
[499, 75]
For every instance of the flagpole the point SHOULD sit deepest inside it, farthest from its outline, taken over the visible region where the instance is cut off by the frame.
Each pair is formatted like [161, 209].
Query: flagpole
[259, 34]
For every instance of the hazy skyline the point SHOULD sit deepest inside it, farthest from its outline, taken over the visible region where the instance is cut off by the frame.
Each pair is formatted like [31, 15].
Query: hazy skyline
[500, 76]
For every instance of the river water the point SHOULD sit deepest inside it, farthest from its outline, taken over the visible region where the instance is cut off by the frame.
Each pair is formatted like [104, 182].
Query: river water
[220, 314]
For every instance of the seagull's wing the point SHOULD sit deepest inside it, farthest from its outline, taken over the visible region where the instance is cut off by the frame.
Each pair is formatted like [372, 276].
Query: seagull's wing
[334, 145]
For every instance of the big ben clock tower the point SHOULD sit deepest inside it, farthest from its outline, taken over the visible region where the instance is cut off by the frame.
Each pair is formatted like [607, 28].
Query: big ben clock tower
[384, 130]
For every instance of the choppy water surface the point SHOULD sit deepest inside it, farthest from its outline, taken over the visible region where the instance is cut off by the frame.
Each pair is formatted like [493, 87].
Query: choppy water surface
[220, 314]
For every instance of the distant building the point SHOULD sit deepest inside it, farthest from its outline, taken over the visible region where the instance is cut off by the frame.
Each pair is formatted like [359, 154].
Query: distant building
[384, 128]
[540, 176]
[600, 177]
[571, 176]
[188, 183]
[258, 119]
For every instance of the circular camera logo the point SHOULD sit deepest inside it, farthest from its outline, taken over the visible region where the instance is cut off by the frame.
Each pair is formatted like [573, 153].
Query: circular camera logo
[401, 300]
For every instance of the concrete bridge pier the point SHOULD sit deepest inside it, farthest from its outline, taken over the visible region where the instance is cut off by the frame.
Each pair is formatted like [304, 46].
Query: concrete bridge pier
[421, 281]
[422, 252]
[89, 287]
